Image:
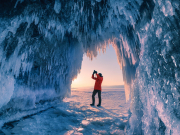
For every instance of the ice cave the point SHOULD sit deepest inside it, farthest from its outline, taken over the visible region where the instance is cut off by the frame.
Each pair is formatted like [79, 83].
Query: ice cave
[42, 43]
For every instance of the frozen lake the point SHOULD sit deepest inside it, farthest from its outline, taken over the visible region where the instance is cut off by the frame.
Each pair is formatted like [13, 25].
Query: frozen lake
[74, 116]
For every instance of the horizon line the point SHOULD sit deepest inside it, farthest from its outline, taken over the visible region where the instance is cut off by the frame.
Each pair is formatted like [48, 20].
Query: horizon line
[102, 86]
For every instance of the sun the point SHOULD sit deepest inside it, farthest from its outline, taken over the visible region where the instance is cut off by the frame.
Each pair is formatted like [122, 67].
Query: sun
[76, 83]
[75, 80]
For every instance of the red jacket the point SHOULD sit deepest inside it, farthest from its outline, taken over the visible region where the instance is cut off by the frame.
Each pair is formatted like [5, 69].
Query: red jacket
[98, 82]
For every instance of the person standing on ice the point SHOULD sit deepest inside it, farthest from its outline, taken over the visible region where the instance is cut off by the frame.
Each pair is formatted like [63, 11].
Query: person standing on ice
[97, 87]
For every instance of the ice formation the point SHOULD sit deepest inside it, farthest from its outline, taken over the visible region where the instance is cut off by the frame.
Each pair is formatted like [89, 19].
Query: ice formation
[42, 44]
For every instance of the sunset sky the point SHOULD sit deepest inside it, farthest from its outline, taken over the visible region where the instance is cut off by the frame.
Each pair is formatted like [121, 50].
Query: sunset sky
[106, 64]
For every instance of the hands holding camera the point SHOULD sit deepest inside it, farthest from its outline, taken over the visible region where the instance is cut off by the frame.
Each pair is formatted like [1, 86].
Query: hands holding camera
[95, 72]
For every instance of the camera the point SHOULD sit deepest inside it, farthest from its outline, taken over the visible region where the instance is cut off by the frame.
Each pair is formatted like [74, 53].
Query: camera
[95, 72]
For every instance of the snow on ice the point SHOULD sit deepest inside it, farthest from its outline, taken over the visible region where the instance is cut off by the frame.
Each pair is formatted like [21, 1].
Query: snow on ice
[75, 116]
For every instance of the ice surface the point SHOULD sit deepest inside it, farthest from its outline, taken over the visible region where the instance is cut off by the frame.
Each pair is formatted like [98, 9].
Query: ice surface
[42, 43]
[75, 116]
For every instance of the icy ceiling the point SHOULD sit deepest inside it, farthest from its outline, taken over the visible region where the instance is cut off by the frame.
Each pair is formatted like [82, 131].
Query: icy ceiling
[42, 43]
[36, 30]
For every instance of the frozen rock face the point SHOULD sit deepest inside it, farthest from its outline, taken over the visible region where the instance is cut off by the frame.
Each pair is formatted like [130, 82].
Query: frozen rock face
[156, 96]
[42, 44]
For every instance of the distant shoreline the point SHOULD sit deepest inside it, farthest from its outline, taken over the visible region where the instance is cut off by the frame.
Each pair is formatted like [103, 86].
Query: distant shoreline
[112, 86]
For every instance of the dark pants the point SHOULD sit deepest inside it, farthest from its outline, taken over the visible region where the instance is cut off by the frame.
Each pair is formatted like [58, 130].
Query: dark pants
[99, 96]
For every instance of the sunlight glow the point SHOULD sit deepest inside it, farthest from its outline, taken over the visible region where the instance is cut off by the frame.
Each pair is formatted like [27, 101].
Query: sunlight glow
[105, 63]
[75, 80]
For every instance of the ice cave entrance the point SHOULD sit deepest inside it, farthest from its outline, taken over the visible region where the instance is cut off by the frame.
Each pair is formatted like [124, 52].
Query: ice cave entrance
[105, 63]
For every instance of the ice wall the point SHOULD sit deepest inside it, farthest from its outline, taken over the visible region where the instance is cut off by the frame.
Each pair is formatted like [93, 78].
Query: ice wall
[155, 97]
[37, 63]
[42, 43]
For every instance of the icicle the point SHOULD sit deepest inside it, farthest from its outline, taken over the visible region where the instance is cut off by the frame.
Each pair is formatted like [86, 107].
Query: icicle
[18, 2]
[57, 6]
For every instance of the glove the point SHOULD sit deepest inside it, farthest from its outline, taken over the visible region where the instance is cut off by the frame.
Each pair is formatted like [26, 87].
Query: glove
[95, 72]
